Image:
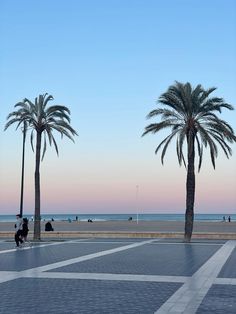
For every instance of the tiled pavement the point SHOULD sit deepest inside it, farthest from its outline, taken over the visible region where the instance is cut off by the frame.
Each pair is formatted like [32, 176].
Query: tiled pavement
[118, 276]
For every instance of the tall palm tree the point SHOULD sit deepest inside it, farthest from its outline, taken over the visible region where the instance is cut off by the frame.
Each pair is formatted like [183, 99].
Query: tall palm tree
[42, 121]
[24, 130]
[191, 115]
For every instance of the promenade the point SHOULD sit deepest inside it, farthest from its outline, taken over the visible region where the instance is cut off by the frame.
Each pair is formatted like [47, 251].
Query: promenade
[123, 229]
[128, 275]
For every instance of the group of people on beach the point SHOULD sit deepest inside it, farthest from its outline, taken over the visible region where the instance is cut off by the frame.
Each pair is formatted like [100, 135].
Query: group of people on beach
[21, 227]
[229, 219]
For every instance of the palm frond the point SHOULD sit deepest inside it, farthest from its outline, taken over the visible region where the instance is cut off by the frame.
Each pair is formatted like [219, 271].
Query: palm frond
[32, 139]
[55, 145]
[155, 112]
[9, 123]
[46, 99]
[206, 93]
[155, 127]
[44, 147]
[62, 109]
[51, 138]
[173, 101]
[213, 152]
[200, 152]
[180, 154]
[165, 147]
[162, 142]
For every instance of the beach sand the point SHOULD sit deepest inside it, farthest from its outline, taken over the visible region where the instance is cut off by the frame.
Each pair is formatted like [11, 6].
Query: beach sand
[130, 226]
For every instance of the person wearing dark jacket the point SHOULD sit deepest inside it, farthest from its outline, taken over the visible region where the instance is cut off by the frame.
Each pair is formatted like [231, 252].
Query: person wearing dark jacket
[25, 229]
[48, 226]
[18, 233]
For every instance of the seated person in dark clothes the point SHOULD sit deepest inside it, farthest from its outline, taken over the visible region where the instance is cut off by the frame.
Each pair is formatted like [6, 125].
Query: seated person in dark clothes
[48, 226]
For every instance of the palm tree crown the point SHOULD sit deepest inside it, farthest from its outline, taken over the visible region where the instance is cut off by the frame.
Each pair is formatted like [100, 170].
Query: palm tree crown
[42, 119]
[192, 117]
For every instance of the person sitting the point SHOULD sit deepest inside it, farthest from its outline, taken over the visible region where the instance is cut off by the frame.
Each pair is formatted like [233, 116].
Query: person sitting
[48, 226]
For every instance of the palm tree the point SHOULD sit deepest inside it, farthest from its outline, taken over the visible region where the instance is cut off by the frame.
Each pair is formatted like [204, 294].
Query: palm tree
[24, 130]
[191, 115]
[42, 120]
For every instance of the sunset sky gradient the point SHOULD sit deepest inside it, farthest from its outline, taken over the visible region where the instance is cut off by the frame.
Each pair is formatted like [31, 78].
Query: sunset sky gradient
[108, 61]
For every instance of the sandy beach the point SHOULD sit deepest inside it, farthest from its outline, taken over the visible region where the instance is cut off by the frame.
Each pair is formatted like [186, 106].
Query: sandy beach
[127, 226]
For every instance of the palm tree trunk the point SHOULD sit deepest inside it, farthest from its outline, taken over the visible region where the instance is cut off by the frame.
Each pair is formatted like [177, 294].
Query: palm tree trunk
[22, 171]
[37, 228]
[190, 191]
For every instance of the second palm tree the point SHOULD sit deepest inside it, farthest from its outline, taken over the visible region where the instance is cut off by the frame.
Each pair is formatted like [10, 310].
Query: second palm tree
[42, 120]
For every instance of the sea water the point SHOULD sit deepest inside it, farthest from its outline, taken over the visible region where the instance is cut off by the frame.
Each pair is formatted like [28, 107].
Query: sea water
[122, 217]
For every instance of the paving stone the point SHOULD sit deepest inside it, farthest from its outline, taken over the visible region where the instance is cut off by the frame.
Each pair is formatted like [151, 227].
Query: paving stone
[157, 259]
[229, 269]
[39, 256]
[220, 299]
[83, 296]
[7, 246]
[36, 291]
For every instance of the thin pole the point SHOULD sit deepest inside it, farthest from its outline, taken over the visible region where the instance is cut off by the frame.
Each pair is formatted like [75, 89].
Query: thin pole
[137, 190]
[23, 170]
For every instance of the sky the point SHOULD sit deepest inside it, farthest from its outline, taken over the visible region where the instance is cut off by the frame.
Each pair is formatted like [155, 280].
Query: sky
[108, 61]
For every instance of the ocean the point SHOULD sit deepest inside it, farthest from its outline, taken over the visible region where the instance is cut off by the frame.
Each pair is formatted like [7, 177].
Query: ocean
[120, 217]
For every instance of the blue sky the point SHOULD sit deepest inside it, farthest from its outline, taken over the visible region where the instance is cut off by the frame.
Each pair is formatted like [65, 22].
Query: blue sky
[109, 61]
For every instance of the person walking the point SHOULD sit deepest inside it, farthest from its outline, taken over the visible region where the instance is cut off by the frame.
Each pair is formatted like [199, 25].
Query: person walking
[25, 230]
[18, 233]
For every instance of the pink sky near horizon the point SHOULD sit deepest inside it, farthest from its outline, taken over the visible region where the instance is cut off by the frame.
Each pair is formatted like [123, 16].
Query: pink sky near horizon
[110, 186]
